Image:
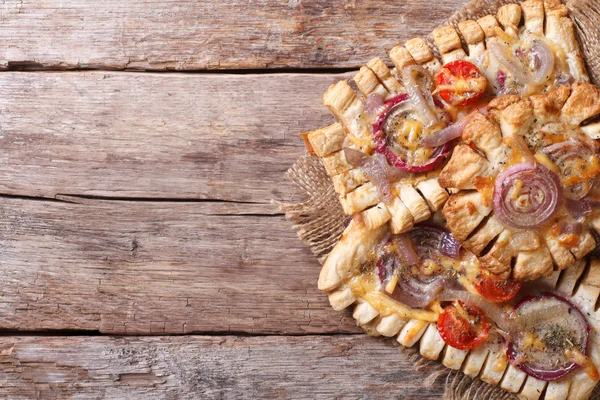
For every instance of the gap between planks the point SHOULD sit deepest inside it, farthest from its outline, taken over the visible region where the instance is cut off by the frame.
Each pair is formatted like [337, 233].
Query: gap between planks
[249, 71]
[255, 208]
[8, 333]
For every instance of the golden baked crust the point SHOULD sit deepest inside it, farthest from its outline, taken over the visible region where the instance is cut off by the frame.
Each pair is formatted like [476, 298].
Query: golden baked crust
[550, 104]
[538, 121]
[463, 168]
[583, 103]
[354, 245]
[474, 163]
[464, 211]
[521, 24]
[379, 315]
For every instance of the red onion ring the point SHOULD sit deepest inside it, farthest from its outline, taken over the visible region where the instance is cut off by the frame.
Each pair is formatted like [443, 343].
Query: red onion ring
[432, 240]
[541, 54]
[578, 209]
[436, 158]
[427, 116]
[418, 291]
[537, 200]
[373, 103]
[381, 143]
[412, 291]
[565, 153]
[423, 242]
[543, 59]
[378, 134]
[377, 170]
[447, 134]
[559, 318]
[407, 249]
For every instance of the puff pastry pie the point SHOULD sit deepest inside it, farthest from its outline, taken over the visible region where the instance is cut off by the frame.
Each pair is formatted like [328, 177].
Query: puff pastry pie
[469, 170]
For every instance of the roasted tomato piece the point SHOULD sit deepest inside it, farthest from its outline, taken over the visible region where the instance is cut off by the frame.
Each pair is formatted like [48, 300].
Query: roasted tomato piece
[460, 83]
[463, 326]
[495, 288]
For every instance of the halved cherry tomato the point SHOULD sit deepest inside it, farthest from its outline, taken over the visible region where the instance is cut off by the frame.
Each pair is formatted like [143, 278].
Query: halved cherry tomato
[460, 83]
[495, 288]
[463, 326]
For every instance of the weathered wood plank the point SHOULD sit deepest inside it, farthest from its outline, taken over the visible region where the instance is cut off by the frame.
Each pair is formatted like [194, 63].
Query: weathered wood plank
[200, 367]
[196, 35]
[118, 134]
[131, 267]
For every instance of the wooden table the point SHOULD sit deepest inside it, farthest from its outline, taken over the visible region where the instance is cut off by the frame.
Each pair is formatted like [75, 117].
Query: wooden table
[141, 145]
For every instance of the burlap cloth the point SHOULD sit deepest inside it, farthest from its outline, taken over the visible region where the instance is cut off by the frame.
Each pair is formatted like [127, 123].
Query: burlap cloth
[319, 221]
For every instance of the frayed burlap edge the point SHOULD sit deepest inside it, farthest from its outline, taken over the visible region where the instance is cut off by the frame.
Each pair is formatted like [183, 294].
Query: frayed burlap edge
[319, 221]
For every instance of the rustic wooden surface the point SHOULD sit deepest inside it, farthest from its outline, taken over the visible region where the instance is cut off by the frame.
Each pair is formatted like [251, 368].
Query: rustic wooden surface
[194, 35]
[139, 203]
[201, 367]
[132, 267]
[149, 135]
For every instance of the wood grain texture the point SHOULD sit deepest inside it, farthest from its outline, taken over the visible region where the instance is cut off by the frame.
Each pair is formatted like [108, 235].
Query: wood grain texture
[200, 367]
[184, 136]
[130, 267]
[199, 35]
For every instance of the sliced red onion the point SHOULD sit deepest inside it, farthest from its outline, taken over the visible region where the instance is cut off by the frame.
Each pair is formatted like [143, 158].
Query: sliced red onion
[355, 157]
[578, 209]
[505, 57]
[501, 78]
[373, 104]
[382, 146]
[543, 62]
[536, 201]
[377, 170]
[407, 249]
[387, 265]
[432, 240]
[447, 134]
[570, 228]
[543, 59]
[413, 291]
[427, 116]
[418, 291]
[436, 158]
[378, 133]
[560, 327]
[564, 155]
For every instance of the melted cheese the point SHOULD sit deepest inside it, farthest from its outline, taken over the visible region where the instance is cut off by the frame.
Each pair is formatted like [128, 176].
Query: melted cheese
[365, 287]
[501, 363]
[469, 271]
[490, 66]
[546, 162]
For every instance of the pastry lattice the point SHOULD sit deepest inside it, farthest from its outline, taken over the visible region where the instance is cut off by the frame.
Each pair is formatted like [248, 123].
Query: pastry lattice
[416, 201]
